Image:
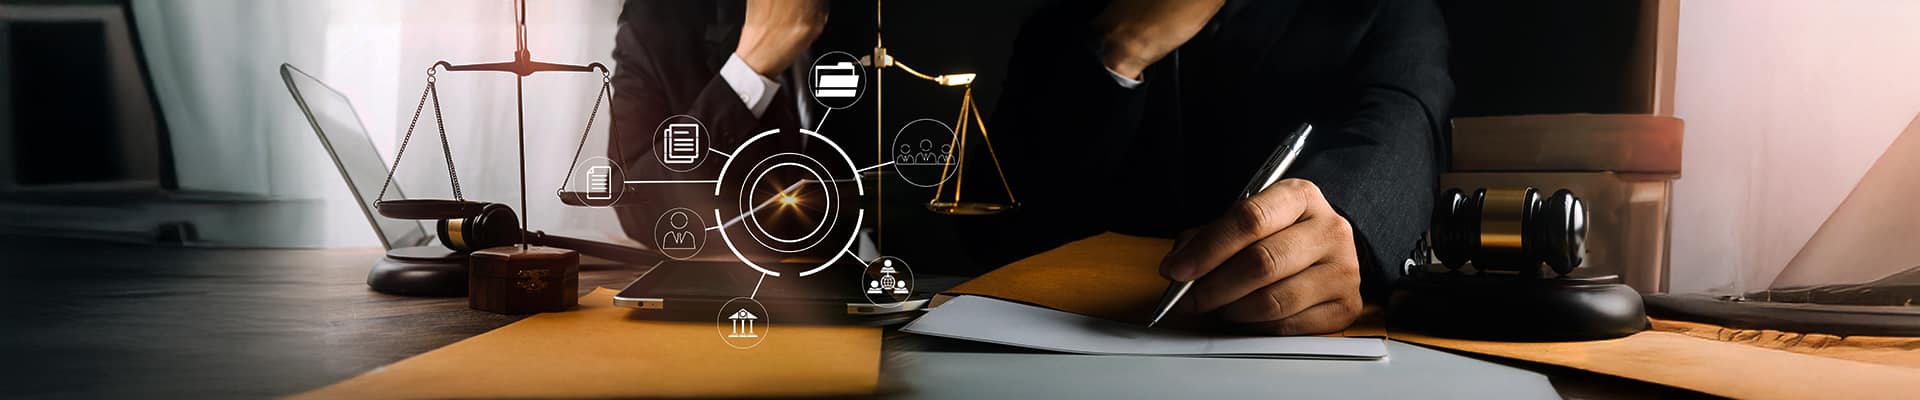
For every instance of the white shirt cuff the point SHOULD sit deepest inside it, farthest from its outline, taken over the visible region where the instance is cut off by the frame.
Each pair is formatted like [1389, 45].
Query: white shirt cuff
[1125, 82]
[755, 91]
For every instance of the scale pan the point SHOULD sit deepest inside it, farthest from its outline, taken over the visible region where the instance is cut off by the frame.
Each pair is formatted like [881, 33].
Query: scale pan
[428, 208]
[969, 208]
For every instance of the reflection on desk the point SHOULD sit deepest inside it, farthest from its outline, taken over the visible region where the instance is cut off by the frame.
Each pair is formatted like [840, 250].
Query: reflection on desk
[91, 320]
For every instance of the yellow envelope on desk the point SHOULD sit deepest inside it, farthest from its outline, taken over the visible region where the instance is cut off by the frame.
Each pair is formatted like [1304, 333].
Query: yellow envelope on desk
[596, 351]
[1109, 275]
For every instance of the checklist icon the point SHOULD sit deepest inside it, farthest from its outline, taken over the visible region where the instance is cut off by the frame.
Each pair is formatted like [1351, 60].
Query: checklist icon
[682, 142]
[599, 182]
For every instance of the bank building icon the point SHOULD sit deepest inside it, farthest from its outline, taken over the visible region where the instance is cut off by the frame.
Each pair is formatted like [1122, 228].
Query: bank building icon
[743, 324]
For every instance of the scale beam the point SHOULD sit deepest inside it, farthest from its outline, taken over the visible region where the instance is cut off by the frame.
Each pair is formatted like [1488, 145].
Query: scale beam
[880, 60]
[521, 67]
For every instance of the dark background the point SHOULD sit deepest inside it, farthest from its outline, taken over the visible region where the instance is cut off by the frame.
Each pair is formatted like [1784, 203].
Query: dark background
[1510, 57]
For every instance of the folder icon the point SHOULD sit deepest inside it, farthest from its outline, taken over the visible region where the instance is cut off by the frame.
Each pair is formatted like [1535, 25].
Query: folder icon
[837, 80]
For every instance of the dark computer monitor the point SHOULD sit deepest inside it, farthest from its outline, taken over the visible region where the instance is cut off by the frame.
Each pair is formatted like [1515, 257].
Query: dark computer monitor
[77, 112]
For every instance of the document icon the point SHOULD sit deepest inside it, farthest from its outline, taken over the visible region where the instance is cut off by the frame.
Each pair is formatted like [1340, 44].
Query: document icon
[837, 80]
[598, 185]
[682, 142]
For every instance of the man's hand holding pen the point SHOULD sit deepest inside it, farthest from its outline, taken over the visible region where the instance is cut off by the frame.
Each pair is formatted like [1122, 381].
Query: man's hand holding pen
[1281, 262]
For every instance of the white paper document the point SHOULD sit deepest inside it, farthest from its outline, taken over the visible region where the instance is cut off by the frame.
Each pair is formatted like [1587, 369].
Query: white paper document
[1003, 322]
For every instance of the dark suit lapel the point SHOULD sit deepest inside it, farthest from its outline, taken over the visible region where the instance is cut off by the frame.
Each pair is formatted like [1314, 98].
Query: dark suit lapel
[1259, 26]
[723, 33]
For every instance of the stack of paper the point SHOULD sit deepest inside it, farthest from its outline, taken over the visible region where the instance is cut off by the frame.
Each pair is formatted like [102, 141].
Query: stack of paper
[1003, 322]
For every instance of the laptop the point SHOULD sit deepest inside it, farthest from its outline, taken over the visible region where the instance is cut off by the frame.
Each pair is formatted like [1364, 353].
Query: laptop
[346, 140]
[1857, 275]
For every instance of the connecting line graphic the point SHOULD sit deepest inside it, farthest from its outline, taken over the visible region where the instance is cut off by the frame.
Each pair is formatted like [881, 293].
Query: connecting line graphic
[850, 252]
[823, 121]
[756, 286]
[717, 151]
[703, 182]
[875, 166]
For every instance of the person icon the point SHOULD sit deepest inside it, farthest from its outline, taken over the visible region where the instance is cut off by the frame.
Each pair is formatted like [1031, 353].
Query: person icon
[677, 238]
[906, 154]
[926, 151]
[946, 154]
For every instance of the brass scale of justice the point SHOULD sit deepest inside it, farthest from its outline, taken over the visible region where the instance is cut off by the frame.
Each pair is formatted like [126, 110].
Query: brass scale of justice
[880, 60]
[523, 65]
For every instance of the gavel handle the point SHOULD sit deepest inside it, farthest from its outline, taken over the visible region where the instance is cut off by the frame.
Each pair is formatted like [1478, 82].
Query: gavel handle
[622, 254]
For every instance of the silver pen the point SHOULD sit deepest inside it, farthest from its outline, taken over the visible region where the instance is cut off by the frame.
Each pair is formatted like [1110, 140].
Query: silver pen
[1269, 173]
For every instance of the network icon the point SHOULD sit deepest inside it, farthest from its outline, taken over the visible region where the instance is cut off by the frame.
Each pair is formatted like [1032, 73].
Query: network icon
[888, 281]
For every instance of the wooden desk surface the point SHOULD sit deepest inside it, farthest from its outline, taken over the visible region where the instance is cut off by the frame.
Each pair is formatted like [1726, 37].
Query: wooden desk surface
[92, 320]
[87, 320]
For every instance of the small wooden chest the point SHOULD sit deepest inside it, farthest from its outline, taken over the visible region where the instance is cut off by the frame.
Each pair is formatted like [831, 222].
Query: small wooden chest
[510, 280]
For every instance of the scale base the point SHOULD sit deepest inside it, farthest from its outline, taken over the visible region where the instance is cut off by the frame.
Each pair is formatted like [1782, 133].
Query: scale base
[423, 271]
[523, 280]
[969, 208]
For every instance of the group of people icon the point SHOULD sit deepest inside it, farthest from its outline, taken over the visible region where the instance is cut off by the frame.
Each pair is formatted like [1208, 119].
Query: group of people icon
[925, 155]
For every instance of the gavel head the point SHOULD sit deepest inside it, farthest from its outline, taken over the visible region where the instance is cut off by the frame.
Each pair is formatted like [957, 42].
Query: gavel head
[495, 225]
[1509, 229]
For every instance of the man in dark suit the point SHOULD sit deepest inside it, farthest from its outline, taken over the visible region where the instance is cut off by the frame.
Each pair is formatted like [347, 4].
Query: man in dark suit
[1139, 116]
[734, 66]
[1149, 116]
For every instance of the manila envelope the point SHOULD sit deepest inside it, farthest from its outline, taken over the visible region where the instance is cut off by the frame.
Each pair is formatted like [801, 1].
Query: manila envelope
[597, 351]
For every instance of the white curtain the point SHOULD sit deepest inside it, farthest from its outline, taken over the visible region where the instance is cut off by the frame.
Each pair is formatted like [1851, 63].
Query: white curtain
[236, 129]
[480, 105]
[1787, 104]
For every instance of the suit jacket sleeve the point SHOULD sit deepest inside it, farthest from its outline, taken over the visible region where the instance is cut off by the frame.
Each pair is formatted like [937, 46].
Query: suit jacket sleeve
[667, 61]
[1378, 165]
[660, 71]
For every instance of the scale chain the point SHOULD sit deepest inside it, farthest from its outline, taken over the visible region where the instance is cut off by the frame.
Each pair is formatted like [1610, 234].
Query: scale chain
[445, 148]
[429, 92]
[606, 92]
[417, 107]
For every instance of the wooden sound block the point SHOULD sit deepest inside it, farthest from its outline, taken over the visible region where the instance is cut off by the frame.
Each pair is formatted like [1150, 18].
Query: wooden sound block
[512, 280]
[425, 271]
[1515, 308]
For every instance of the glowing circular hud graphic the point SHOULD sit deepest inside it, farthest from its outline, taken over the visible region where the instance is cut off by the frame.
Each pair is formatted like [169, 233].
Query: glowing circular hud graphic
[789, 211]
[788, 202]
